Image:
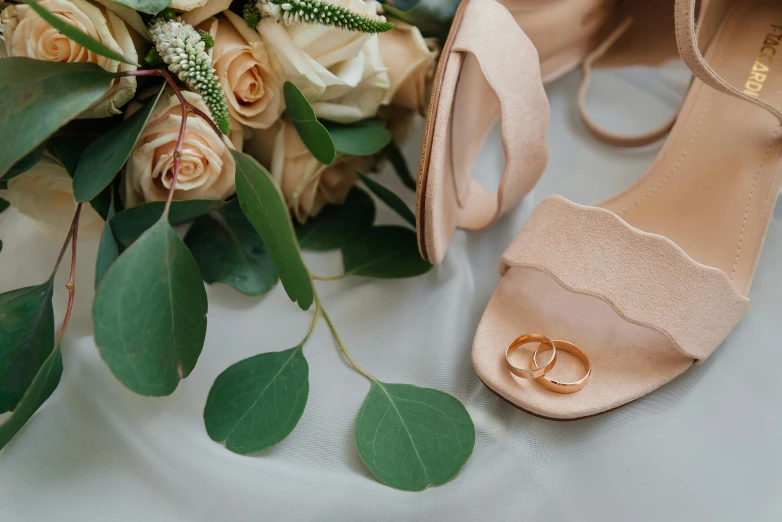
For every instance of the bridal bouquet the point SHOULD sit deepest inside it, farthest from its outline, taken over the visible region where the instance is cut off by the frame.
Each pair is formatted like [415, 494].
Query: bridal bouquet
[253, 127]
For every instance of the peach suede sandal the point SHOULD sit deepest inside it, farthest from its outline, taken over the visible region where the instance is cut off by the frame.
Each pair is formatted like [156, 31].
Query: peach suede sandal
[488, 69]
[653, 279]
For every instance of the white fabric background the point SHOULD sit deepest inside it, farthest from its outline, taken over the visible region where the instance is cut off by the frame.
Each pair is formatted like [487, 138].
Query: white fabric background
[705, 447]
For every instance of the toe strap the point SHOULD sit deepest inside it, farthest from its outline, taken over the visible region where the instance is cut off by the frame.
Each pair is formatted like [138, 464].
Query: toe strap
[645, 277]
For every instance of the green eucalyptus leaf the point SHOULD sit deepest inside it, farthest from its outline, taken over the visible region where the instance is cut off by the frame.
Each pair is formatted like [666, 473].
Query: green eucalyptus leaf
[151, 7]
[4, 204]
[68, 150]
[105, 156]
[335, 225]
[257, 402]
[26, 339]
[398, 161]
[262, 202]
[39, 97]
[41, 388]
[311, 131]
[431, 17]
[228, 249]
[76, 34]
[26, 163]
[385, 252]
[412, 438]
[129, 224]
[389, 198]
[150, 313]
[362, 138]
[108, 249]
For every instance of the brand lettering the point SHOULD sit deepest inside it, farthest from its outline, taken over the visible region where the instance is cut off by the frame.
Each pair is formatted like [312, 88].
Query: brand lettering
[762, 65]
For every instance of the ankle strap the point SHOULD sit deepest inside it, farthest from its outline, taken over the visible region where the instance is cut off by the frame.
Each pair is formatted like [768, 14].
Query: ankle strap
[687, 42]
[608, 137]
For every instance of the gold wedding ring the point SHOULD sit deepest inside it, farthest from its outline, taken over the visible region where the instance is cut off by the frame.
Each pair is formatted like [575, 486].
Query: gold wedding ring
[536, 371]
[564, 387]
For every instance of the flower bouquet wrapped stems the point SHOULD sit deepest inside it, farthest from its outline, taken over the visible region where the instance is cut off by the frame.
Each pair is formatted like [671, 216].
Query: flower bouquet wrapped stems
[257, 126]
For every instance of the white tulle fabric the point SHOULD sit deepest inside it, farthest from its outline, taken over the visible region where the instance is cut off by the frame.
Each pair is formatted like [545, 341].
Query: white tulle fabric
[704, 447]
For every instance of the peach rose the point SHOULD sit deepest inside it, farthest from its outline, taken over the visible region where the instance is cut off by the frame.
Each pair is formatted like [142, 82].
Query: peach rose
[207, 169]
[252, 86]
[45, 193]
[411, 62]
[307, 184]
[27, 34]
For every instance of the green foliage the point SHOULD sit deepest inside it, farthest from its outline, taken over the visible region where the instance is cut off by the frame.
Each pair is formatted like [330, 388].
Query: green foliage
[76, 34]
[43, 385]
[228, 249]
[150, 7]
[336, 225]
[362, 138]
[432, 17]
[68, 150]
[4, 205]
[325, 13]
[251, 14]
[389, 198]
[257, 402]
[385, 252]
[153, 58]
[108, 249]
[263, 204]
[26, 163]
[312, 132]
[129, 224]
[105, 156]
[209, 42]
[397, 160]
[150, 313]
[402, 5]
[38, 97]
[26, 339]
[412, 438]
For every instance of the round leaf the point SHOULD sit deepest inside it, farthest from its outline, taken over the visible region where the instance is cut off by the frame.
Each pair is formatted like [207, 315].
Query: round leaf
[108, 249]
[129, 224]
[39, 97]
[412, 438]
[105, 156]
[335, 225]
[41, 388]
[311, 131]
[363, 138]
[26, 339]
[228, 249]
[150, 313]
[262, 202]
[386, 252]
[257, 402]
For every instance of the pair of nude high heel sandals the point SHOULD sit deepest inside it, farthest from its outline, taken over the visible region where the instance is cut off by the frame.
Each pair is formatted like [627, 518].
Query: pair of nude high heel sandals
[651, 280]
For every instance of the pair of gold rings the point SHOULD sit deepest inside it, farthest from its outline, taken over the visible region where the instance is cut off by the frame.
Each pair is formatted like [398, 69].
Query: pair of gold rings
[538, 371]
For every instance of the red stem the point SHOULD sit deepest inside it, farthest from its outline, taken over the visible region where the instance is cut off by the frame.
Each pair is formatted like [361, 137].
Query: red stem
[177, 157]
[67, 239]
[71, 286]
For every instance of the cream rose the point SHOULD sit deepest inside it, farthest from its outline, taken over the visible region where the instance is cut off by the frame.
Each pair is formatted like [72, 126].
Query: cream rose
[340, 72]
[307, 184]
[207, 169]
[252, 85]
[411, 62]
[45, 193]
[27, 34]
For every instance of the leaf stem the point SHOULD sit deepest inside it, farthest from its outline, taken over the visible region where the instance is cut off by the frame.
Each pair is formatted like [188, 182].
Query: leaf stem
[335, 335]
[327, 278]
[312, 325]
[177, 157]
[67, 239]
[71, 284]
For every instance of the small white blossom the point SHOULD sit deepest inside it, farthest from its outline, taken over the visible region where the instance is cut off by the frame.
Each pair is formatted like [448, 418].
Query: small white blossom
[181, 48]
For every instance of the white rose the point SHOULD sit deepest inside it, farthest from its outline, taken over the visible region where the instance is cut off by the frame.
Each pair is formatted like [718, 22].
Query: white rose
[207, 169]
[307, 184]
[339, 71]
[411, 62]
[45, 193]
[247, 74]
[27, 34]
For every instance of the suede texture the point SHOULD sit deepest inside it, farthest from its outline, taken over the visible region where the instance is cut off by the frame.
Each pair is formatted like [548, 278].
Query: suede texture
[654, 278]
[480, 82]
